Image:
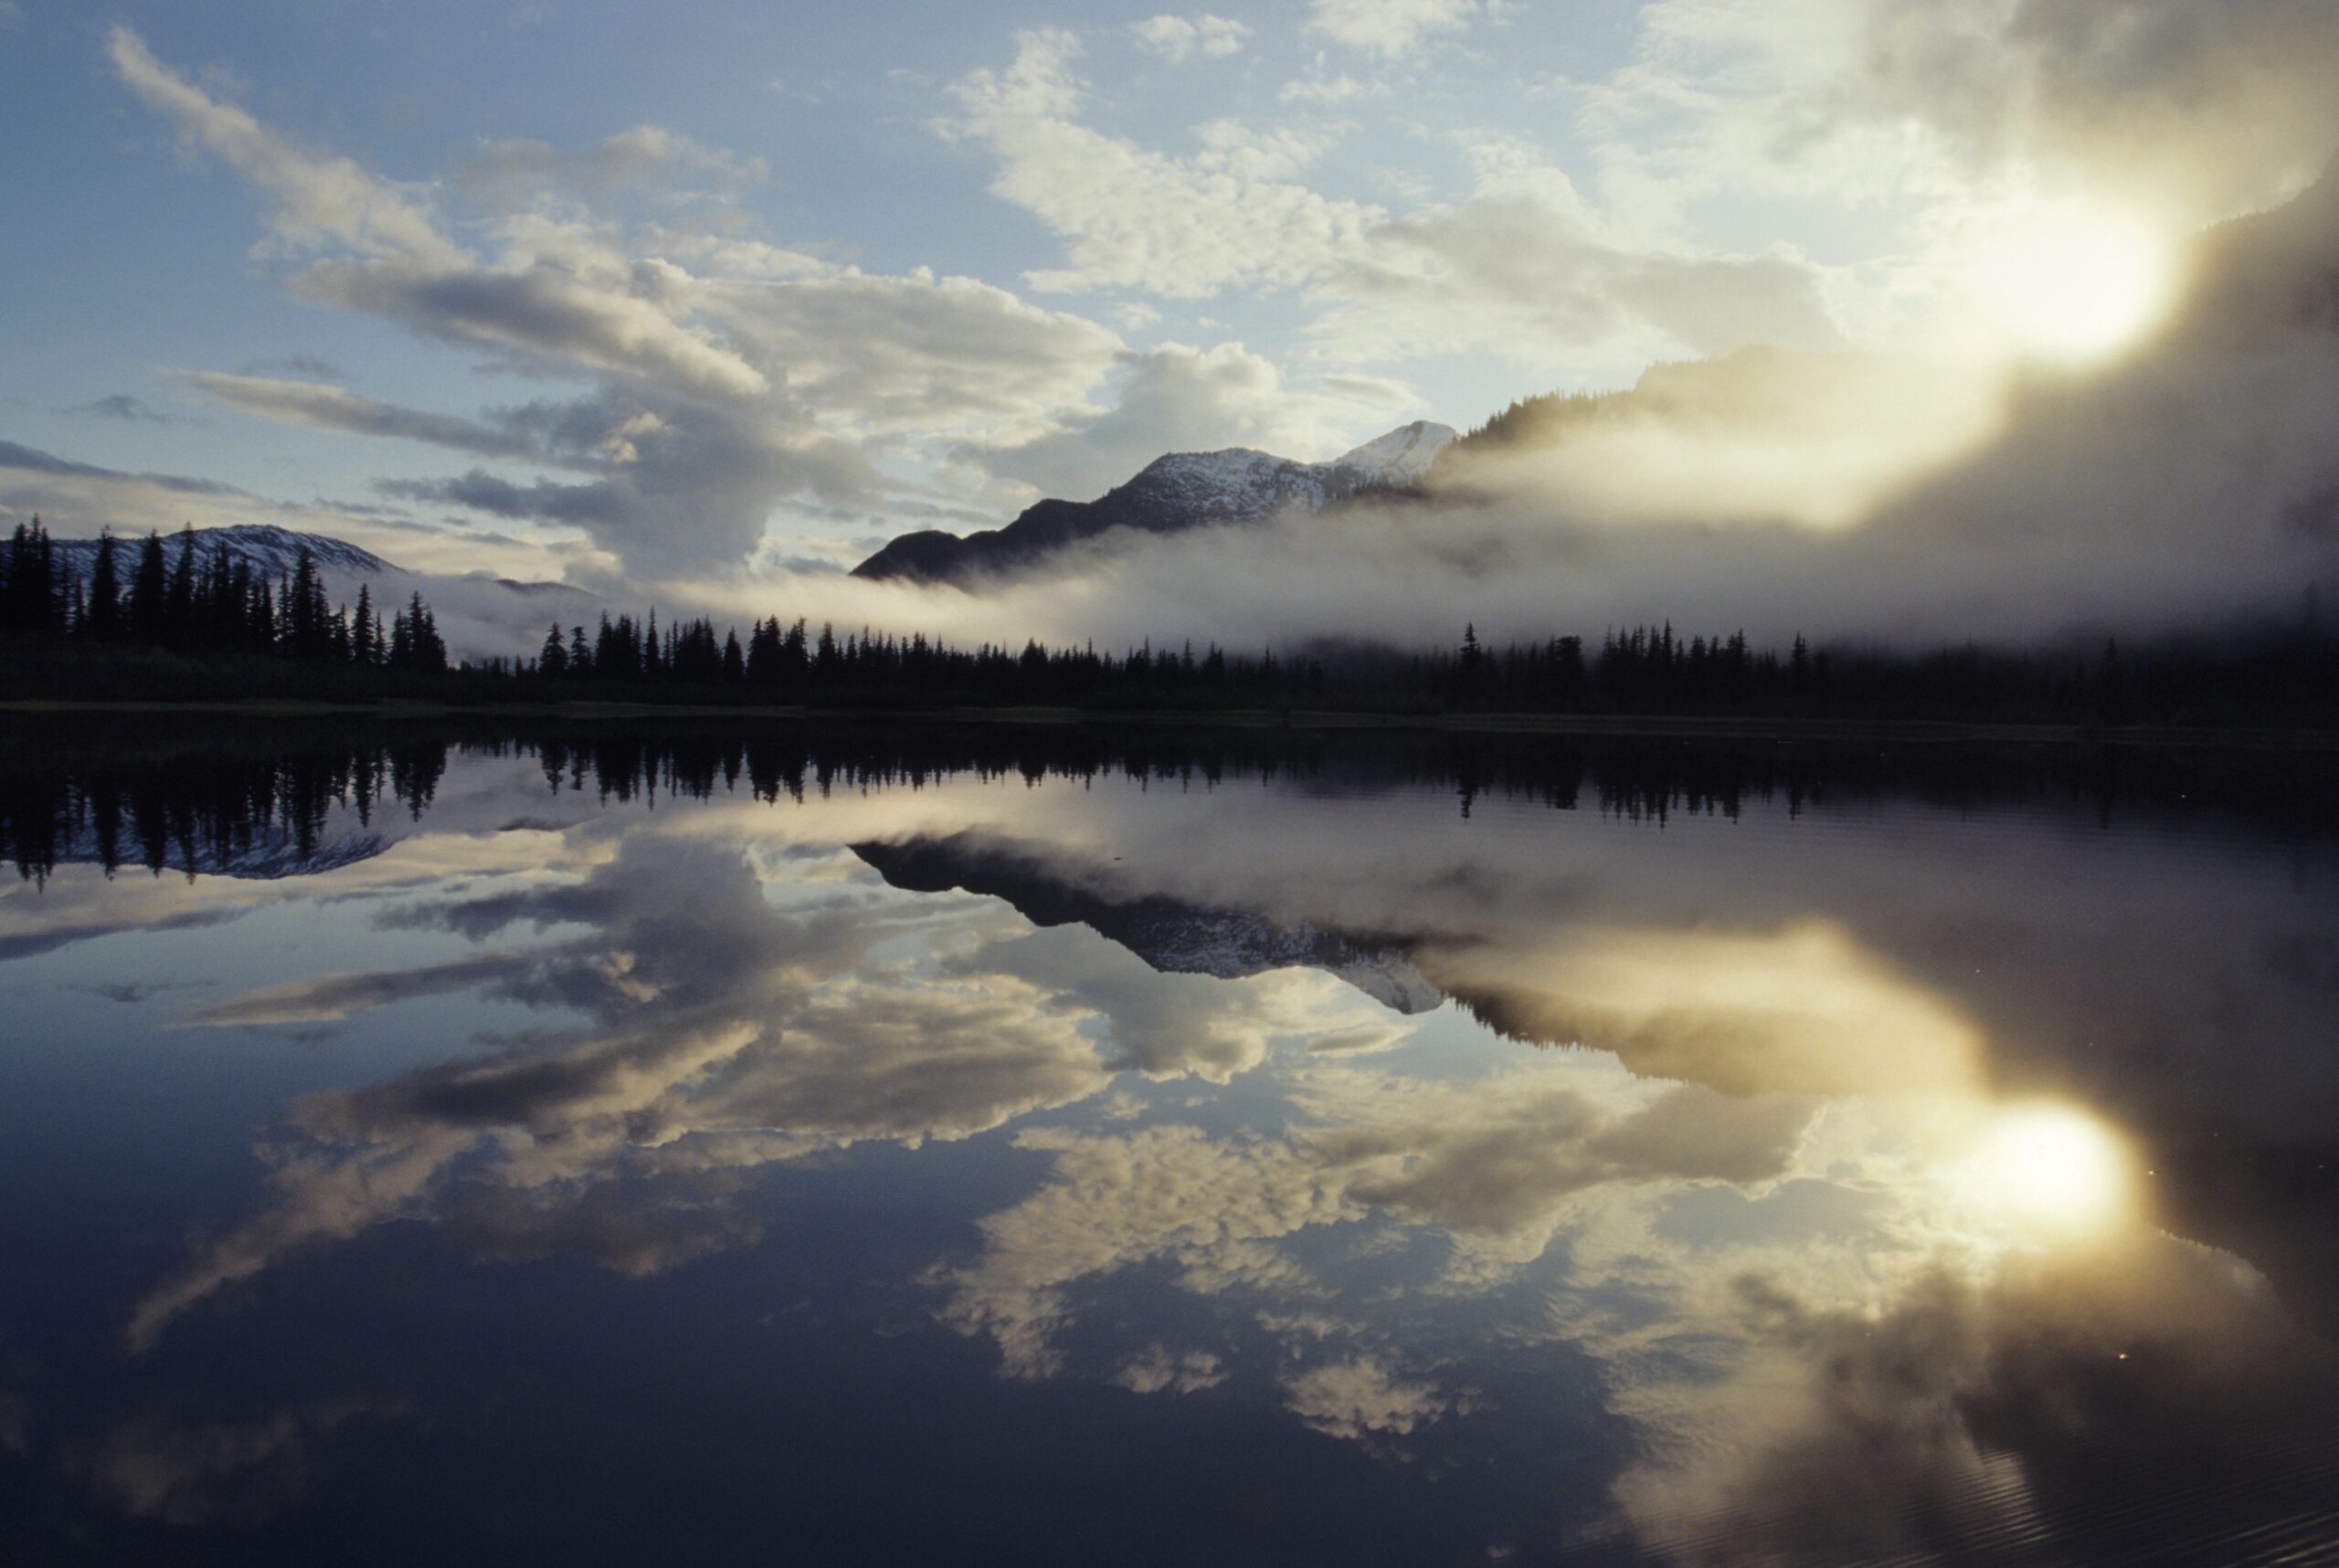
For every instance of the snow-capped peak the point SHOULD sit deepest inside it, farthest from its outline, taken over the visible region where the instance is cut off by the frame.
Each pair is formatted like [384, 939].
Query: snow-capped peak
[1403, 455]
[267, 549]
[1241, 482]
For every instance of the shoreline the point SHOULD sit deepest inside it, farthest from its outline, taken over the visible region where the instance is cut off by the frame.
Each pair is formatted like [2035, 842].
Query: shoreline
[1313, 721]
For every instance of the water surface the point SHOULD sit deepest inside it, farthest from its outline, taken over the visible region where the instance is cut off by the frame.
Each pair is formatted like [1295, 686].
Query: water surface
[646, 1145]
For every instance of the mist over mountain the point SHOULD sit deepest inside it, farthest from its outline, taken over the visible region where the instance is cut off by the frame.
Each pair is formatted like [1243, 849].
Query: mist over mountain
[1172, 494]
[2187, 483]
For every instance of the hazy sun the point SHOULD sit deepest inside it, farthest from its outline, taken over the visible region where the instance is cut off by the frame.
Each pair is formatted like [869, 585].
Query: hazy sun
[2051, 1166]
[2075, 283]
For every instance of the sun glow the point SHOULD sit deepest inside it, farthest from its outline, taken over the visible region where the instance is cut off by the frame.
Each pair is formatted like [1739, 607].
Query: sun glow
[2075, 283]
[2052, 1168]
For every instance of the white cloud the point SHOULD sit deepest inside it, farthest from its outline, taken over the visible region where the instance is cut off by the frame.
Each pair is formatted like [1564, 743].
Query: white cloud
[652, 160]
[763, 375]
[1326, 90]
[1176, 398]
[1388, 27]
[1179, 39]
[1183, 229]
[1522, 267]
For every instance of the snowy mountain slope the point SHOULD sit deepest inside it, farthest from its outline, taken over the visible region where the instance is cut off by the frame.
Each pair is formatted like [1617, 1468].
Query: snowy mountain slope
[1403, 455]
[265, 547]
[479, 616]
[1172, 493]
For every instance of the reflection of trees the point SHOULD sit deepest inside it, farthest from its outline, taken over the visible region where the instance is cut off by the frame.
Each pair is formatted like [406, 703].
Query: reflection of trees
[199, 802]
[207, 813]
[1859, 1331]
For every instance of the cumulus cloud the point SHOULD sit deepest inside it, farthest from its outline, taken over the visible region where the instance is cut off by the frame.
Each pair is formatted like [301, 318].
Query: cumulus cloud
[1180, 227]
[1850, 496]
[1906, 500]
[1937, 111]
[1178, 397]
[732, 376]
[1388, 27]
[1179, 39]
[2208, 111]
[1521, 268]
[947, 356]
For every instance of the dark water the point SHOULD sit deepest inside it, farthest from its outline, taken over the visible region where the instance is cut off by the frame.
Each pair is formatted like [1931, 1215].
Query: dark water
[654, 1146]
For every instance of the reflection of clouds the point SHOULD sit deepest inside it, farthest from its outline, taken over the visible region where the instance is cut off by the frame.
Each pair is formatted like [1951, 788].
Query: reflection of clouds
[334, 997]
[1159, 1191]
[1779, 1294]
[1158, 1367]
[1499, 1162]
[1775, 1289]
[1958, 1402]
[725, 1032]
[1496, 1165]
[215, 1473]
[726, 1036]
[1351, 1398]
[1871, 948]
[470, 834]
[1801, 1009]
[1161, 1025]
[319, 1198]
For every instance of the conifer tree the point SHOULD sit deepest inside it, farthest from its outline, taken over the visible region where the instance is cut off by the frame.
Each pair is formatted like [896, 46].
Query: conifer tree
[103, 621]
[552, 660]
[149, 591]
[365, 631]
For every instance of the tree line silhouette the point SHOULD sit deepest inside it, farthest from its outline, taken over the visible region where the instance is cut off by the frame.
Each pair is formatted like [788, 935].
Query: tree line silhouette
[256, 799]
[227, 631]
[203, 604]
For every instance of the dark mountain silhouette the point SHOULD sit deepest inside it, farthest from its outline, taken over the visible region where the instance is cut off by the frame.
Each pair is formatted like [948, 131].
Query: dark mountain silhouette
[1170, 934]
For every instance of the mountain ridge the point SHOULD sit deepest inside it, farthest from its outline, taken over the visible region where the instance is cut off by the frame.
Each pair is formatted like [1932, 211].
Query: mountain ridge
[1172, 493]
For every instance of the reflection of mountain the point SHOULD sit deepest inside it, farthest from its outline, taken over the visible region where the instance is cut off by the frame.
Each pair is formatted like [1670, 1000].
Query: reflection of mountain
[260, 854]
[248, 817]
[1173, 494]
[1169, 934]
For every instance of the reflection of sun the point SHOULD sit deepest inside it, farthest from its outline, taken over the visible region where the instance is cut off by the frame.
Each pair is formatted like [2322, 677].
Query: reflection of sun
[2075, 283]
[2050, 1167]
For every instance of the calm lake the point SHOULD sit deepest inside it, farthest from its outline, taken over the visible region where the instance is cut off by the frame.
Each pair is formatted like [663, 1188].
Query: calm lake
[655, 1144]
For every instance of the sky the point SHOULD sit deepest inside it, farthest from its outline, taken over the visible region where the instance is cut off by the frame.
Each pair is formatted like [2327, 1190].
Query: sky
[706, 309]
